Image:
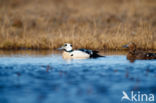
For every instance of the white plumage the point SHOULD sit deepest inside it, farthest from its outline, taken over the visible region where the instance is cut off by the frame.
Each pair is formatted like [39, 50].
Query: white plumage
[69, 53]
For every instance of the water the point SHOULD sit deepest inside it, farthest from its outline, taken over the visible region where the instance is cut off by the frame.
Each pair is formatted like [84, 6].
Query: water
[47, 78]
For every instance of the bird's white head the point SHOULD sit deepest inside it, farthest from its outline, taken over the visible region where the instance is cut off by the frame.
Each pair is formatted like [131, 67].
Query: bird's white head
[67, 47]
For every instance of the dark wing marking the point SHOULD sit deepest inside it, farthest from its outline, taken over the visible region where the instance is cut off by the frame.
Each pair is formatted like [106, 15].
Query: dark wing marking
[93, 54]
[87, 51]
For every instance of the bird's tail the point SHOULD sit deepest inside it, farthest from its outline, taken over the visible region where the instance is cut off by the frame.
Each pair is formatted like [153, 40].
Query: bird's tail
[96, 55]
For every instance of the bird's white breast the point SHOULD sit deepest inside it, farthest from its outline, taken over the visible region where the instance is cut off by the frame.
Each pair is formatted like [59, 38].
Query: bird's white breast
[76, 54]
[66, 55]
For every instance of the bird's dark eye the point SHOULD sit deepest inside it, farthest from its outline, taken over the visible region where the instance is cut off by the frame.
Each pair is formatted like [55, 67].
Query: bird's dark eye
[70, 45]
[65, 44]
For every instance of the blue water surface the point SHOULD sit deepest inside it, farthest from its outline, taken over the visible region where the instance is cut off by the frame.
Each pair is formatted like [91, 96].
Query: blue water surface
[51, 79]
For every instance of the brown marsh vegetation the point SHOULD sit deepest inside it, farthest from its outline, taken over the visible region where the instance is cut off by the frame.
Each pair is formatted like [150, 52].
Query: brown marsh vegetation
[92, 24]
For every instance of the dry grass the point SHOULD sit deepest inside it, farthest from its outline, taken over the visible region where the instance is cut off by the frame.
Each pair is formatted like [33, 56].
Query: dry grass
[93, 24]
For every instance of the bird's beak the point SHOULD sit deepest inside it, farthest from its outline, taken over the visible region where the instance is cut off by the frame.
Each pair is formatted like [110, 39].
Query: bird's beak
[125, 46]
[61, 48]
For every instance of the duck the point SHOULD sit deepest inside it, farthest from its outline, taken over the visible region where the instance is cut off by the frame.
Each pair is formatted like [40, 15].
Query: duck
[69, 53]
[135, 54]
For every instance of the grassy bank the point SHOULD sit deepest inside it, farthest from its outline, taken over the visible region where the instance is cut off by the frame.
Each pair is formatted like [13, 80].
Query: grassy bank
[92, 24]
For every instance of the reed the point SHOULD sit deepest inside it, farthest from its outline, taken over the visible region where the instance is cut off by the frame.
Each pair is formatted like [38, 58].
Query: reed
[92, 24]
